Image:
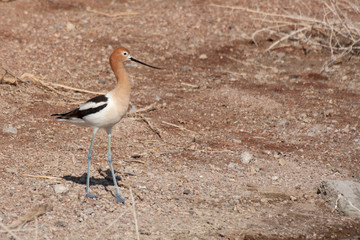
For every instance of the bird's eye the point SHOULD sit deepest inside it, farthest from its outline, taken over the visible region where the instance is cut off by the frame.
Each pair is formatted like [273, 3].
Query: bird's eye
[125, 53]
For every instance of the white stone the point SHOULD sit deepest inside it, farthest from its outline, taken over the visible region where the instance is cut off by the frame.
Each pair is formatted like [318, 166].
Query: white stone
[59, 188]
[246, 157]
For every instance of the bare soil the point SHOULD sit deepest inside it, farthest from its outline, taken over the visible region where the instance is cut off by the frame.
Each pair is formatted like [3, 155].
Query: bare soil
[220, 97]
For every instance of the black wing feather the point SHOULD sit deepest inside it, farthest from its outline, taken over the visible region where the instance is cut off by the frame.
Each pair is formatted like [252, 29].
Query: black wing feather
[77, 113]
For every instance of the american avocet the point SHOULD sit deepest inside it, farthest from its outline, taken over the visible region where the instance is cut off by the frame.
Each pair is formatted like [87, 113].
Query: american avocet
[105, 111]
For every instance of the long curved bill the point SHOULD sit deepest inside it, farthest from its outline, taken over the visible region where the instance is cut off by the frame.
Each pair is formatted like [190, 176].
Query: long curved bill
[133, 59]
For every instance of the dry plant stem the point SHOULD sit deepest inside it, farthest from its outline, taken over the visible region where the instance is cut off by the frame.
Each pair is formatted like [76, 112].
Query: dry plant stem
[147, 108]
[173, 125]
[9, 231]
[50, 85]
[121, 14]
[100, 234]
[40, 176]
[148, 123]
[267, 29]
[134, 215]
[9, 73]
[335, 58]
[341, 34]
[36, 229]
[286, 37]
[268, 14]
[135, 161]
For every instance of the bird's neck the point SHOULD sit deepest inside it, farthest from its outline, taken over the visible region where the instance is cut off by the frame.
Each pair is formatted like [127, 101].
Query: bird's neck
[123, 83]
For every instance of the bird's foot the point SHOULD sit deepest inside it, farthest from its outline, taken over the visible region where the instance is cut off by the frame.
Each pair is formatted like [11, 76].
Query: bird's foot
[90, 195]
[118, 199]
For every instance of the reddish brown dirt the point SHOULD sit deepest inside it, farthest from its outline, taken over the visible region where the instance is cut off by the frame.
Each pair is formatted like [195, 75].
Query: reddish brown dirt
[301, 127]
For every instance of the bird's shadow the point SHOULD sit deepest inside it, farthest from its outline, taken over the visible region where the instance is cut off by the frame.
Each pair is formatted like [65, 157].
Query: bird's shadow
[105, 181]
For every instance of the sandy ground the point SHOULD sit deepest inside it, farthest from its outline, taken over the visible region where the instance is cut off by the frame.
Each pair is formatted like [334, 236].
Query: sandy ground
[233, 145]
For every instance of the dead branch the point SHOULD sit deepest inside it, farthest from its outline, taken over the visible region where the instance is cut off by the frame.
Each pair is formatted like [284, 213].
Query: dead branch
[340, 32]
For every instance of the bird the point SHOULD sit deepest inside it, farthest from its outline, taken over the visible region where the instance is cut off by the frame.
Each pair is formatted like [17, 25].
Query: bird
[104, 111]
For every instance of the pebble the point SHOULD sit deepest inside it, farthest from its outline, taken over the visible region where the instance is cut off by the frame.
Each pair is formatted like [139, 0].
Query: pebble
[282, 161]
[185, 68]
[274, 178]
[10, 129]
[60, 224]
[187, 191]
[70, 26]
[246, 157]
[89, 211]
[101, 80]
[203, 56]
[292, 198]
[59, 188]
[232, 165]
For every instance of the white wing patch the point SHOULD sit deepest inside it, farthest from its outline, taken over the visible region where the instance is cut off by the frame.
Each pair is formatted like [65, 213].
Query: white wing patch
[89, 105]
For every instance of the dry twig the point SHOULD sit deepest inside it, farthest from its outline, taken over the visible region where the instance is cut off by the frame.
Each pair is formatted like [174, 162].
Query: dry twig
[51, 86]
[174, 125]
[41, 176]
[134, 214]
[115, 15]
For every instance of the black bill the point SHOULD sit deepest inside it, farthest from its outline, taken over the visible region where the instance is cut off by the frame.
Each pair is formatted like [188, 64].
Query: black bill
[133, 59]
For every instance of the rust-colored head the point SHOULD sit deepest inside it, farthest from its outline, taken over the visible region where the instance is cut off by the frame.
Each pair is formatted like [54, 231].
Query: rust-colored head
[121, 54]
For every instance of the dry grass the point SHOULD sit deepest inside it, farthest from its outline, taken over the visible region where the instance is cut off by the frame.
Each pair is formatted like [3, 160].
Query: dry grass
[338, 30]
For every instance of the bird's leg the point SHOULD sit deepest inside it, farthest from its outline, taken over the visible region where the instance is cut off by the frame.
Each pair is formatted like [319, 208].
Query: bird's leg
[88, 194]
[118, 198]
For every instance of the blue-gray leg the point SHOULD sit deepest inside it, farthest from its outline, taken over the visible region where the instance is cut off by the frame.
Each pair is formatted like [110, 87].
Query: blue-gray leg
[88, 194]
[118, 198]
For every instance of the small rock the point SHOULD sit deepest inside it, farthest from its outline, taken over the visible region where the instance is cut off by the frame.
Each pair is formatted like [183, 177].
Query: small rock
[346, 129]
[246, 157]
[292, 198]
[203, 56]
[101, 81]
[59, 188]
[284, 123]
[60, 224]
[89, 211]
[144, 232]
[232, 165]
[343, 196]
[185, 68]
[70, 26]
[187, 191]
[10, 129]
[311, 134]
[282, 162]
[329, 112]
[274, 178]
